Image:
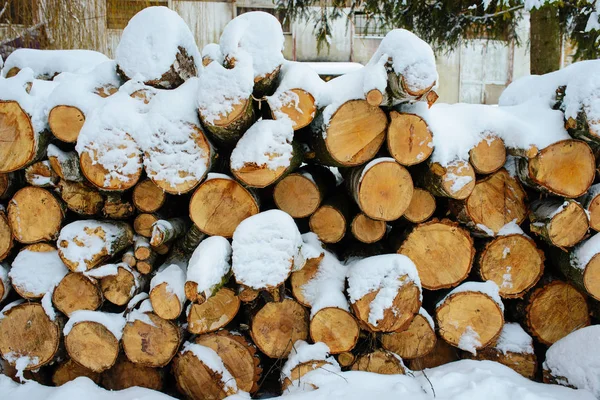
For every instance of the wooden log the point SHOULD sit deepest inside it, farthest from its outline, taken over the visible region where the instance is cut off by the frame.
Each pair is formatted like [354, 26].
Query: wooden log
[379, 362]
[442, 354]
[456, 181]
[495, 201]
[118, 282]
[209, 269]
[28, 336]
[164, 231]
[4, 282]
[167, 289]
[351, 137]
[40, 174]
[117, 207]
[277, 326]
[9, 184]
[66, 122]
[239, 357]
[220, 204]
[109, 238]
[69, 370]
[301, 193]
[336, 328]
[583, 128]
[591, 202]
[442, 252]
[552, 310]
[346, 359]
[409, 139]
[488, 156]
[247, 294]
[65, 164]
[148, 197]
[213, 314]
[125, 374]
[305, 362]
[513, 262]
[330, 220]
[296, 104]
[34, 215]
[417, 341]
[77, 292]
[301, 277]
[566, 168]
[469, 317]
[6, 236]
[382, 189]
[367, 230]
[129, 258]
[143, 223]
[560, 223]
[21, 144]
[421, 207]
[228, 128]
[81, 197]
[580, 266]
[142, 249]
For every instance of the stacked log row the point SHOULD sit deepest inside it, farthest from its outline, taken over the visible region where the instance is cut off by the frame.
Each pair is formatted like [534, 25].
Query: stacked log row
[220, 224]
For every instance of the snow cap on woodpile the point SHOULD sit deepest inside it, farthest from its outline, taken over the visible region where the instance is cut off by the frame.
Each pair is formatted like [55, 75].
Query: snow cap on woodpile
[113, 322]
[514, 339]
[306, 353]
[212, 52]
[267, 247]
[35, 273]
[210, 264]
[151, 42]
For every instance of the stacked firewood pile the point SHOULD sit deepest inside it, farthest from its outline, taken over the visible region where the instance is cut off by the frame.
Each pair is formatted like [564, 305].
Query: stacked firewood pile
[188, 221]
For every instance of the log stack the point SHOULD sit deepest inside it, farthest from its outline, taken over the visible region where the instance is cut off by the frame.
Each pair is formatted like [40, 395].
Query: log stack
[167, 230]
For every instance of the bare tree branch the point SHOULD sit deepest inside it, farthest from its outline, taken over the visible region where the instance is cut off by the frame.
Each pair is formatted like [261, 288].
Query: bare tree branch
[4, 9]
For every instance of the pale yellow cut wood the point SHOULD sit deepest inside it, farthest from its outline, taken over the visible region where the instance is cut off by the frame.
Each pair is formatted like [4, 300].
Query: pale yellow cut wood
[151, 345]
[120, 288]
[300, 108]
[591, 277]
[488, 156]
[76, 292]
[367, 230]
[409, 139]
[125, 374]
[142, 224]
[17, 137]
[147, 197]
[69, 370]
[379, 362]
[421, 207]
[297, 195]
[66, 122]
[237, 111]
[6, 237]
[92, 345]
[328, 223]
[34, 215]
[258, 176]
[336, 328]
[594, 213]
[569, 226]
[219, 205]
[374, 97]
[418, 340]
[165, 302]
[214, 313]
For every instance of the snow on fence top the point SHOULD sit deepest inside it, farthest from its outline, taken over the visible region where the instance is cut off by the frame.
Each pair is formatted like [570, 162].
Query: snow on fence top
[48, 63]
[151, 42]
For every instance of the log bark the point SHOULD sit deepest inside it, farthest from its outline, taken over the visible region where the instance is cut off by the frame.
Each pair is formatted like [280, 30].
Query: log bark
[226, 130]
[367, 230]
[456, 181]
[336, 328]
[352, 136]
[417, 341]
[35, 215]
[148, 197]
[409, 139]
[6, 236]
[566, 168]
[296, 104]
[65, 164]
[495, 201]
[66, 122]
[81, 198]
[442, 252]
[585, 277]
[9, 184]
[151, 345]
[379, 362]
[92, 345]
[421, 207]
[117, 206]
[164, 231]
[77, 292]
[488, 156]
[559, 223]
[382, 189]
[219, 205]
[214, 313]
[40, 174]
[69, 370]
[125, 374]
[591, 202]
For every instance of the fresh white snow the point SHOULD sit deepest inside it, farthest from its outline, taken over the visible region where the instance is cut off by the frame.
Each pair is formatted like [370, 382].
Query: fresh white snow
[489, 288]
[113, 322]
[210, 264]
[37, 272]
[514, 339]
[51, 62]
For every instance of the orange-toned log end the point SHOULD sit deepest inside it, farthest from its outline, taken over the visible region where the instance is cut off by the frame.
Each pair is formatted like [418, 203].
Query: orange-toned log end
[297, 104]
[566, 168]
[165, 303]
[258, 176]
[442, 252]
[219, 205]
[367, 230]
[421, 207]
[297, 195]
[407, 299]
[522, 363]
[458, 180]
[513, 262]
[239, 357]
[70, 370]
[196, 380]
[591, 277]
[346, 359]
[471, 317]
[125, 374]
[214, 313]
[594, 212]
[142, 224]
[66, 122]
[328, 223]
[488, 156]
[554, 310]
[442, 354]
[379, 362]
[336, 328]
[6, 238]
[26, 331]
[147, 197]
[418, 340]
[569, 226]
[34, 215]
[17, 137]
[299, 371]
[151, 345]
[246, 294]
[277, 326]
[92, 345]
[76, 292]
[301, 277]
[409, 139]
[374, 97]
[119, 289]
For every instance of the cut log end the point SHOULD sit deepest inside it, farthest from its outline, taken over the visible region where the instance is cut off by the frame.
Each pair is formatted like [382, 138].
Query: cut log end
[17, 137]
[165, 303]
[142, 225]
[151, 345]
[409, 140]
[379, 362]
[421, 207]
[299, 278]
[488, 156]
[297, 195]
[329, 224]
[336, 328]
[6, 237]
[299, 107]
[66, 122]
[76, 292]
[214, 313]
[522, 363]
[34, 215]
[569, 226]
[442, 354]
[147, 197]
[92, 346]
[367, 230]
[69, 370]
[418, 340]
[120, 288]
[591, 277]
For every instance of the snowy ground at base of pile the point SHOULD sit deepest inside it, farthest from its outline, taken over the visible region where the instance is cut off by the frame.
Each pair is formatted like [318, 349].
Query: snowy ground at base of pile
[461, 380]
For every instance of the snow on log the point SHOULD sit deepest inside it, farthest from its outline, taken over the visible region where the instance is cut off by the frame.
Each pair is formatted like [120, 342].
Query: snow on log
[456, 181]
[471, 316]
[35, 215]
[571, 360]
[421, 208]
[313, 253]
[266, 249]
[385, 292]
[380, 362]
[489, 155]
[148, 197]
[561, 223]
[92, 338]
[581, 266]
[514, 348]
[40, 174]
[6, 236]
[65, 164]
[167, 292]
[452, 258]
[211, 52]
[409, 139]
[418, 340]
[36, 270]
[76, 292]
[158, 48]
[164, 231]
[265, 153]
[214, 313]
[305, 363]
[209, 269]
[69, 370]
[257, 36]
[83, 245]
[382, 188]
[496, 200]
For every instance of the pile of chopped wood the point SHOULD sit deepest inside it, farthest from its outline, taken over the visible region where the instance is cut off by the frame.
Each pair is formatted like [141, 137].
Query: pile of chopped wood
[186, 221]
